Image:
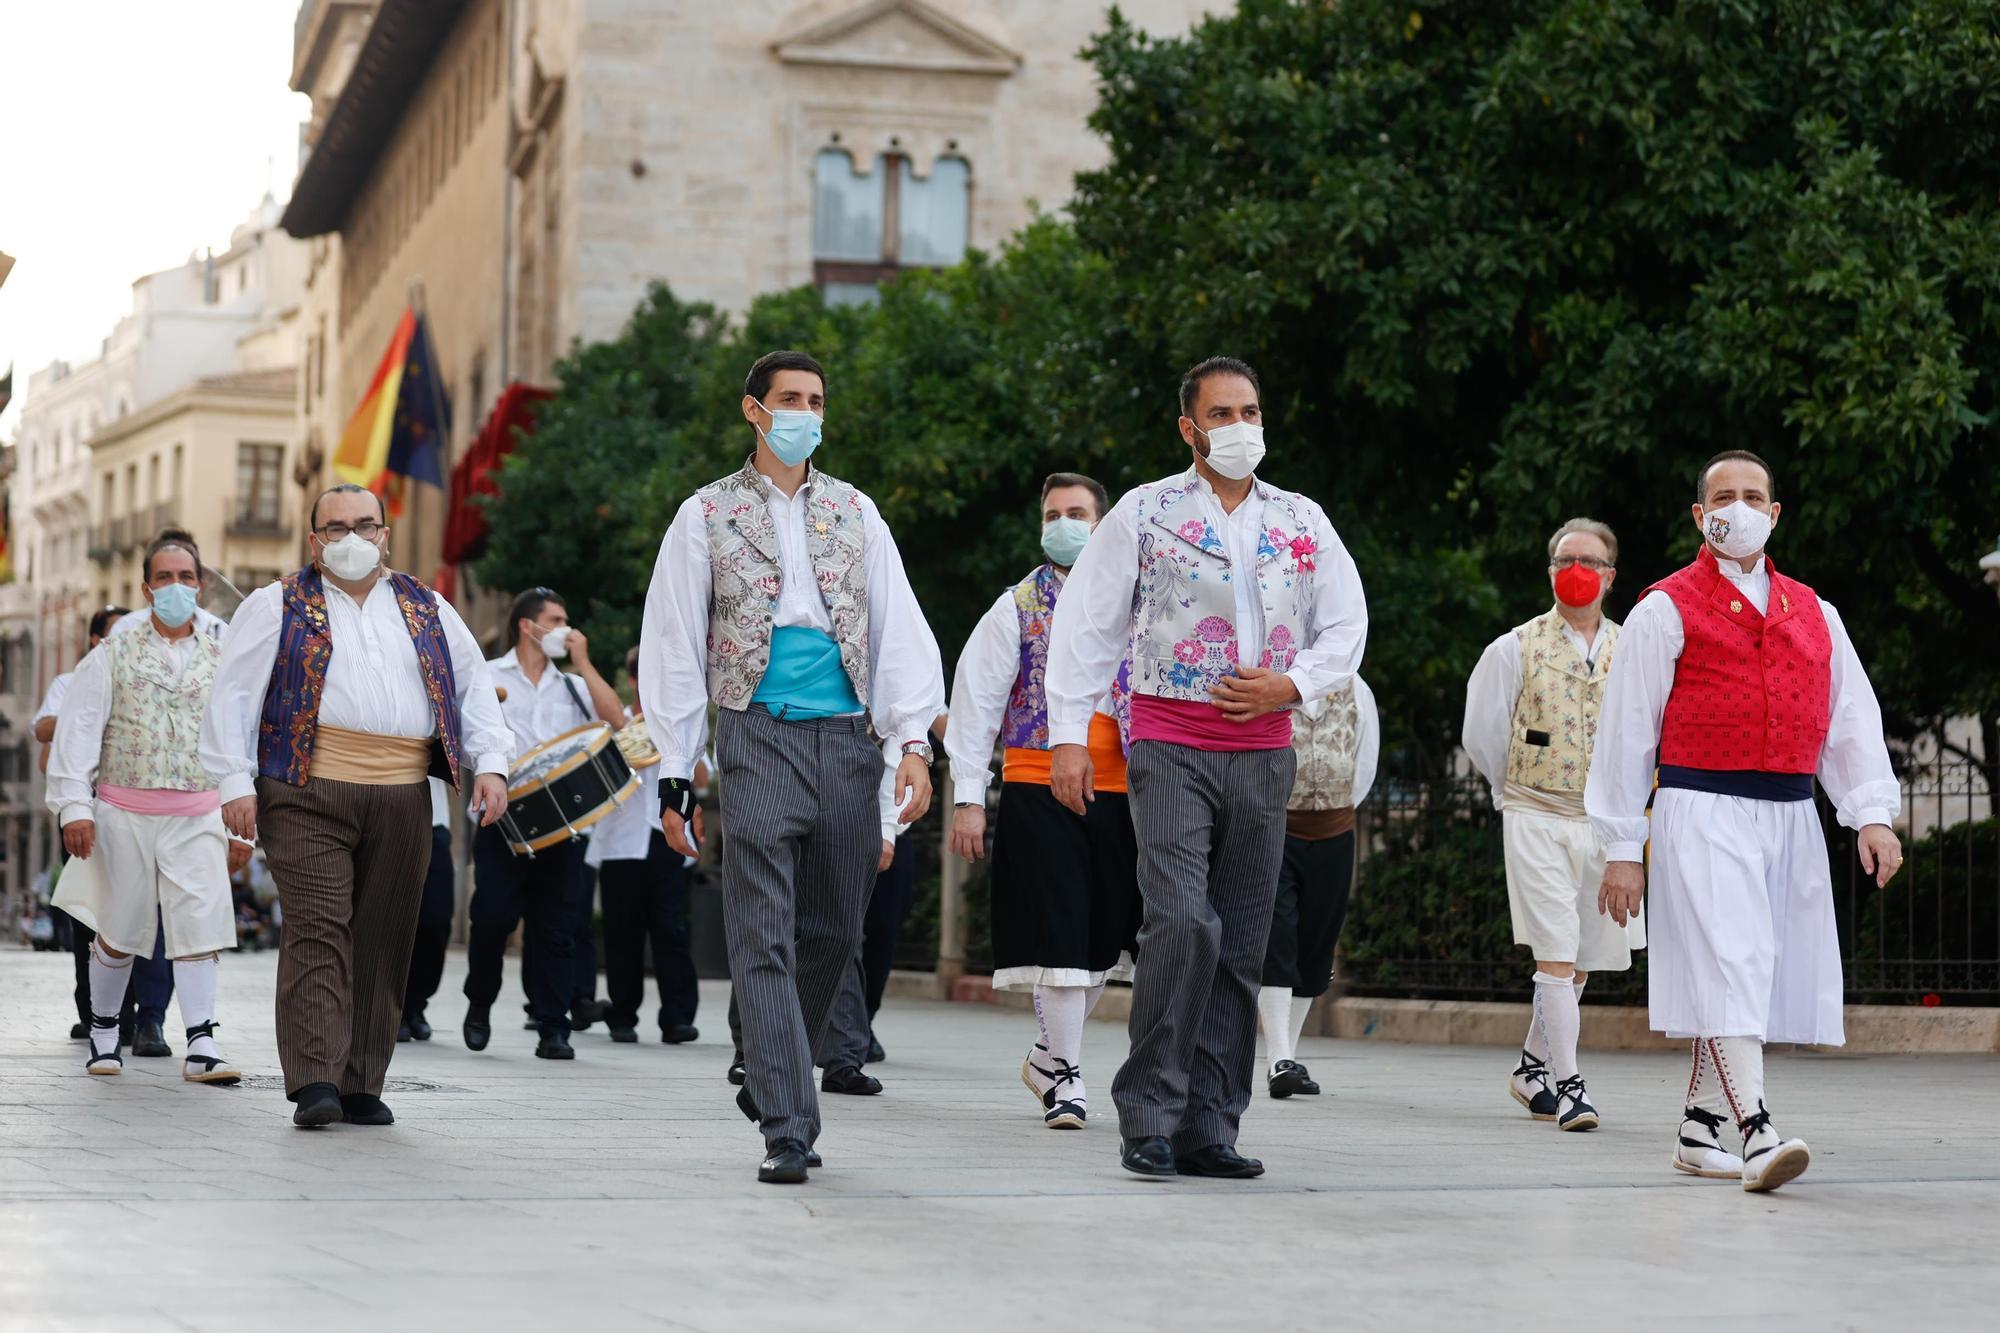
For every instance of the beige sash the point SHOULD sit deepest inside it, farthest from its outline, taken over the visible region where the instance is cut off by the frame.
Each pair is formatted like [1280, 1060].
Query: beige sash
[340, 755]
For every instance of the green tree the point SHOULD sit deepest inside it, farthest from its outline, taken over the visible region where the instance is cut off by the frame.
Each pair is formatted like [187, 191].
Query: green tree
[1505, 262]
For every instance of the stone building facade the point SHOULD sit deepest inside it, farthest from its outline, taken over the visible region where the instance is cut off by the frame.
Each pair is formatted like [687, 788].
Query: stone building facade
[528, 167]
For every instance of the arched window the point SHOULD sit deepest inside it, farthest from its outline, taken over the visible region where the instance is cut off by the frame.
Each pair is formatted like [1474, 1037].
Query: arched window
[868, 227]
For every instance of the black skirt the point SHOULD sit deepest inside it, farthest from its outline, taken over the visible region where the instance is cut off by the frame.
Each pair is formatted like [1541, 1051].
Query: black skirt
[1065, 889]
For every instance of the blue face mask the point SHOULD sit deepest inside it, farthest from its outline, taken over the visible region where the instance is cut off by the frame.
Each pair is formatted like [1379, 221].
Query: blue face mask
[1063, 540]
[793, 435]
[174, 604]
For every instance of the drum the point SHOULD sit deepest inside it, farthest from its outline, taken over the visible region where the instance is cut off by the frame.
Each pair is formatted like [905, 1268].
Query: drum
[636, 744]
[563, 786]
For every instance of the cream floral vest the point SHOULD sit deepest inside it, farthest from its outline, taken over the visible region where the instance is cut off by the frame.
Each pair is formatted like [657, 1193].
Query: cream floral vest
[1183, 609]
[152, 735]
[1327, 747]
[1560, 697]
[746, 577]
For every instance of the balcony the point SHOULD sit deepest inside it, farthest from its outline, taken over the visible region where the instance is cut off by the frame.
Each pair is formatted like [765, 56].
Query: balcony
[261, 521]
[99, 548]
[166, 515]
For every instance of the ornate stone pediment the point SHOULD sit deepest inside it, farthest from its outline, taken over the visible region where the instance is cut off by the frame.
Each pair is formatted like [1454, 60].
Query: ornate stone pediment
[898, 34]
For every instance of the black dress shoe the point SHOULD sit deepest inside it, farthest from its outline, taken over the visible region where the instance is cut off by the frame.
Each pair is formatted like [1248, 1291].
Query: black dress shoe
[555, 1046]
[317, 1104]
[478, 1027]
[582, 1013]
[365, 1108]
[847, 1079]
[785, 1163]
[147, 1039]
[420, 1028]
[624, 1034]
[875, 1053]
[748, 1106]
[1289, 1077]
[812, 1159]
[403, 1032]
[679, 1034]
[1218, 1159]
[735, 1074]
[1151, 1157]
[79, 1032]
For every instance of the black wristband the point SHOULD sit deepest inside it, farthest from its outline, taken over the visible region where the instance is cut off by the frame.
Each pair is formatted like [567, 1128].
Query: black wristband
[677, 795]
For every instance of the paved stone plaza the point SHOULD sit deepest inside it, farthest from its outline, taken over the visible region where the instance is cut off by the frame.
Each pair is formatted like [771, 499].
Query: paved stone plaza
[618, 1192]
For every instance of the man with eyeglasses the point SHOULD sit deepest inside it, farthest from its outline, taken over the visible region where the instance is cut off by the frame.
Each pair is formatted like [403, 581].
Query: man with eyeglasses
[780, 595]
[550, 890]
[341, 687]
[1531, 710]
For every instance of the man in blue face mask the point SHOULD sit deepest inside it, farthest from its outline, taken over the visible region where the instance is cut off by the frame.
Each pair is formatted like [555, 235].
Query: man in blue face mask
[780, 595]
[141, 819]
[1065, 887]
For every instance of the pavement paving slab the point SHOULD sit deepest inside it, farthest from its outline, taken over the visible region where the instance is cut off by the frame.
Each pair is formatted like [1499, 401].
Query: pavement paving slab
[618, 1191]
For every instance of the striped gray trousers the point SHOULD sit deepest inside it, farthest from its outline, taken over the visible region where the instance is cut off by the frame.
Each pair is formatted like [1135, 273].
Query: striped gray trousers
[801, 840]
[1211, 829]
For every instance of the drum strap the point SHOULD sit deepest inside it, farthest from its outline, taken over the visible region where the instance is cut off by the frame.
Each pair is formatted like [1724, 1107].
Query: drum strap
[576, 698]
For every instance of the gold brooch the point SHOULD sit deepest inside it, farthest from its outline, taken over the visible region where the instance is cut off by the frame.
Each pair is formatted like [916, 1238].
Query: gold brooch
[1736, 606]
[1785, 603]
[821, 525]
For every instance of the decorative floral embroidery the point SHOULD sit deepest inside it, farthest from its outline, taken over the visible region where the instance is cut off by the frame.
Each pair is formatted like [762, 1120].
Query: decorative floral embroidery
[746, 579]
[1189, 651]
[1560, 695]
[1326, 747]
[153, 727]
[1025, 725]
[1214, 629]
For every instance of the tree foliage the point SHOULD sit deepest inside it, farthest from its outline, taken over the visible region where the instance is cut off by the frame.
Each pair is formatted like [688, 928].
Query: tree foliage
[1499, 263]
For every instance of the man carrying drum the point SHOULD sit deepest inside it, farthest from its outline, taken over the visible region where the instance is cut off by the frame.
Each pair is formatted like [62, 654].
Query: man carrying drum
[551, 889]
[340, 687]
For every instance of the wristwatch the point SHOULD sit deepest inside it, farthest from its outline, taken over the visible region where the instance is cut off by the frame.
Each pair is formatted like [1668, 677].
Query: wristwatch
[921, 749]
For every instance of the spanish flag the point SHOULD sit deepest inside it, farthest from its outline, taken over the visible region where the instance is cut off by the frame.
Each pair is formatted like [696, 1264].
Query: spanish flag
[397, 434]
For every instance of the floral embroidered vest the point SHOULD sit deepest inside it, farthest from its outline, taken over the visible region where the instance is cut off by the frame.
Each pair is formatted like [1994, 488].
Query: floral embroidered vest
[1751, 692]
[151, 736]
[746, 576]
[1560, 696]
[1327, 747]
[1183, 608]
[290, 718]
[1025, 725]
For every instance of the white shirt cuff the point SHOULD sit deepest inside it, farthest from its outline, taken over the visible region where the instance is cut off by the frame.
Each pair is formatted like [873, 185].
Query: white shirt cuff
[1069, 733]
[1300, 686]
[77, 810]
[236, 786]
[1882, 815]
[1625, 851]
[891, 831]
[970, 790]
[498, 762]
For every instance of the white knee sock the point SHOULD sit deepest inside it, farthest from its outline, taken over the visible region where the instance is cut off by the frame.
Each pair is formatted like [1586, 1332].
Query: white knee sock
[194, 992]
[108, 980]
[1274, 1015]
[1536, 1044]
[1301, 1006]
[1739, 1067]
[1091, 996]
[1061, 1010]
[1556, 1015]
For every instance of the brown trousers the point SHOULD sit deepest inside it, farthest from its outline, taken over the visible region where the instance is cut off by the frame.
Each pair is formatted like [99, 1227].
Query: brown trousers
[350, 861]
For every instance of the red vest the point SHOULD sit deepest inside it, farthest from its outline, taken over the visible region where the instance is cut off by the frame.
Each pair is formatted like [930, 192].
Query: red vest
[1751, 692]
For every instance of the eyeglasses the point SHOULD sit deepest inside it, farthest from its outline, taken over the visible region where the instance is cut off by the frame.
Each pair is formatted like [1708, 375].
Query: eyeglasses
[368, 528]
[1588, 562]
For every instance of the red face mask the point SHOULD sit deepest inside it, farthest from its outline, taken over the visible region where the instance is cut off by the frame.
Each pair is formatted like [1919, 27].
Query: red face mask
[1578, 586]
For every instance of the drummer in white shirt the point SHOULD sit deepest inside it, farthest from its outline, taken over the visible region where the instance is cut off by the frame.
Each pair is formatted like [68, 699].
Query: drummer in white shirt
[551, 889]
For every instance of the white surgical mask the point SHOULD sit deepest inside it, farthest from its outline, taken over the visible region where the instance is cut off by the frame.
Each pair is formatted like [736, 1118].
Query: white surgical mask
[352, 557]
[1235, 450]
[555, 644]
[1736, 530]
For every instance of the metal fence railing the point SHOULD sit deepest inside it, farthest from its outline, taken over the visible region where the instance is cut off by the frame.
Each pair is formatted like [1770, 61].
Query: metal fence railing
[1429, 917]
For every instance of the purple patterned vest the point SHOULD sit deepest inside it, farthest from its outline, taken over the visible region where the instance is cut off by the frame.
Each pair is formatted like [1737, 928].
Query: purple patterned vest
[1026, 724]
[298, 677]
